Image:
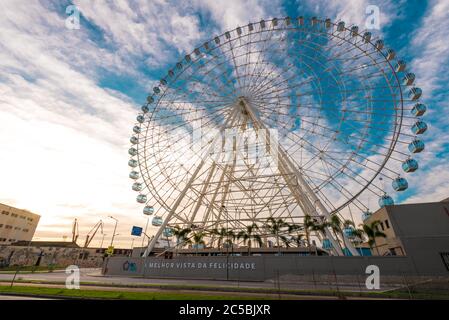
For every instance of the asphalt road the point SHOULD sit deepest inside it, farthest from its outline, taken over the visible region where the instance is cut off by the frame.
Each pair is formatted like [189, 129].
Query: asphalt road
[94, 276]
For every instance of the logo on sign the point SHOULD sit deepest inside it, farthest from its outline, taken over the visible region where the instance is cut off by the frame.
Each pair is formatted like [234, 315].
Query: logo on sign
[129, 266]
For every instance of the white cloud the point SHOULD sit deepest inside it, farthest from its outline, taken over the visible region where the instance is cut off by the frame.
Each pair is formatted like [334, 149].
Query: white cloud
[351, 12]
[64, 138]
[229, 14]
[430, 47]
[144, 28]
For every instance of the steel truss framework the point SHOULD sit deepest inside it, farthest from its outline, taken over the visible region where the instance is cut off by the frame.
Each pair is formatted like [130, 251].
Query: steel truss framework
[296, 117]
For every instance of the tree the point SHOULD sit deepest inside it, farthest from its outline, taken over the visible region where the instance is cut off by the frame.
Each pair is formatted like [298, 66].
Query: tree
[181, 234]
[249, 234]
[223, 233]
[372, 232]
[308, 224]
[337, 228]
[198, 238]
[297, 239]
[276, 228]
[356, 234]
[319, 227]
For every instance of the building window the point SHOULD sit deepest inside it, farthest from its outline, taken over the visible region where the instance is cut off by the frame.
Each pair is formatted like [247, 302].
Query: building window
[30, 219]
[6, 213]
[15, 215]
[25, 230]
[387, 224]
[16, 228]
[1, 225]
[22, 217]
[8, 227]
[382, 226]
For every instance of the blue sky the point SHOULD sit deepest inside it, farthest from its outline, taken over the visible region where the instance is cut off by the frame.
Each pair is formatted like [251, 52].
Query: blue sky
[69, 97]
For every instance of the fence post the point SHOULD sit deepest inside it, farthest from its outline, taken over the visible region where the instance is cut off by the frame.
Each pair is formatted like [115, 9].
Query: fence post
[358, 282]
[313, 278]
[279, 284]
[407, 286]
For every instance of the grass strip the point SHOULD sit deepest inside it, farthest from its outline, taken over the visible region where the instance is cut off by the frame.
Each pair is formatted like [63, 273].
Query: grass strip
[121, 295]
[396, 294]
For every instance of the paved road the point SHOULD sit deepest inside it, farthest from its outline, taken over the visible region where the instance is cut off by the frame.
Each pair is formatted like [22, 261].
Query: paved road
[94, 276]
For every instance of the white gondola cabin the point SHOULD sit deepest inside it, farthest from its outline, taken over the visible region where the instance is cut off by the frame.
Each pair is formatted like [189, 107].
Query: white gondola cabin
[416, 146]
[134, 175]
[410, 165]
[141, 198]
[418, 109]
[400, 184]
[385, 200]
[157, 221]
[419, 127]
[148, 210]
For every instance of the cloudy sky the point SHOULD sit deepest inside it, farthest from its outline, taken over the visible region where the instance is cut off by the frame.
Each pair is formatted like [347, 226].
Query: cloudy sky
[68, 97]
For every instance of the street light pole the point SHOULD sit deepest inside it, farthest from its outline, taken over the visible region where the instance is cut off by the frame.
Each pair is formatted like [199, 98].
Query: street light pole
[115, 229]
[112, 241]
[143, 239]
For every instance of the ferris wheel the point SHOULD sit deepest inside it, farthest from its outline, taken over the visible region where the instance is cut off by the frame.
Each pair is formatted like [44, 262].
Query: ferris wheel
[283, 118]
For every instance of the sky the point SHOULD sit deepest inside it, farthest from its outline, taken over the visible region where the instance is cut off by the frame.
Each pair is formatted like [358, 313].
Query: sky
[69, 97]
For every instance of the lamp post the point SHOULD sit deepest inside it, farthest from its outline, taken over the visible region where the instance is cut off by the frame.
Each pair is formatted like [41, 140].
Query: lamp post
[146, 227]
[115, 229]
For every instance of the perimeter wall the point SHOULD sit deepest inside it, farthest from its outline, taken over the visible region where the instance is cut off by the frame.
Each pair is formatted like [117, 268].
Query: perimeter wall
[264, 267]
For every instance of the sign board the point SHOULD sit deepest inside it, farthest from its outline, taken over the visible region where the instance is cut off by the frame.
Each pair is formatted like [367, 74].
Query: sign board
[136, 231]
[110, 250]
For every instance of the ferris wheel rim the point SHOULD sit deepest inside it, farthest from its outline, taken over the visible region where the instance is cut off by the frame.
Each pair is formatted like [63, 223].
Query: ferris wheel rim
[397, 126]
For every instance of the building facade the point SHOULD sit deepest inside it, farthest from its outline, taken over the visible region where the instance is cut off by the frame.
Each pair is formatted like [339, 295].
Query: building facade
[413, 229]
[16, 224]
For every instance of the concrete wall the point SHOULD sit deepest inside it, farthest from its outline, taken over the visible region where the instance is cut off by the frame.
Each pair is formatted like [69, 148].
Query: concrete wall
[422, 230]
[262, 267]
[17, 255]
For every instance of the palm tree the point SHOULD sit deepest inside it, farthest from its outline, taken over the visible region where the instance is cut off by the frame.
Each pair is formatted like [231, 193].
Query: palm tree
[337, 228]
[198, 238]
[223, 233]
[275, 227]
[319, 226]
[308, 224]
[372, 233]
[358, 235]
[248, 234]
[230, 237]
[181, 234]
